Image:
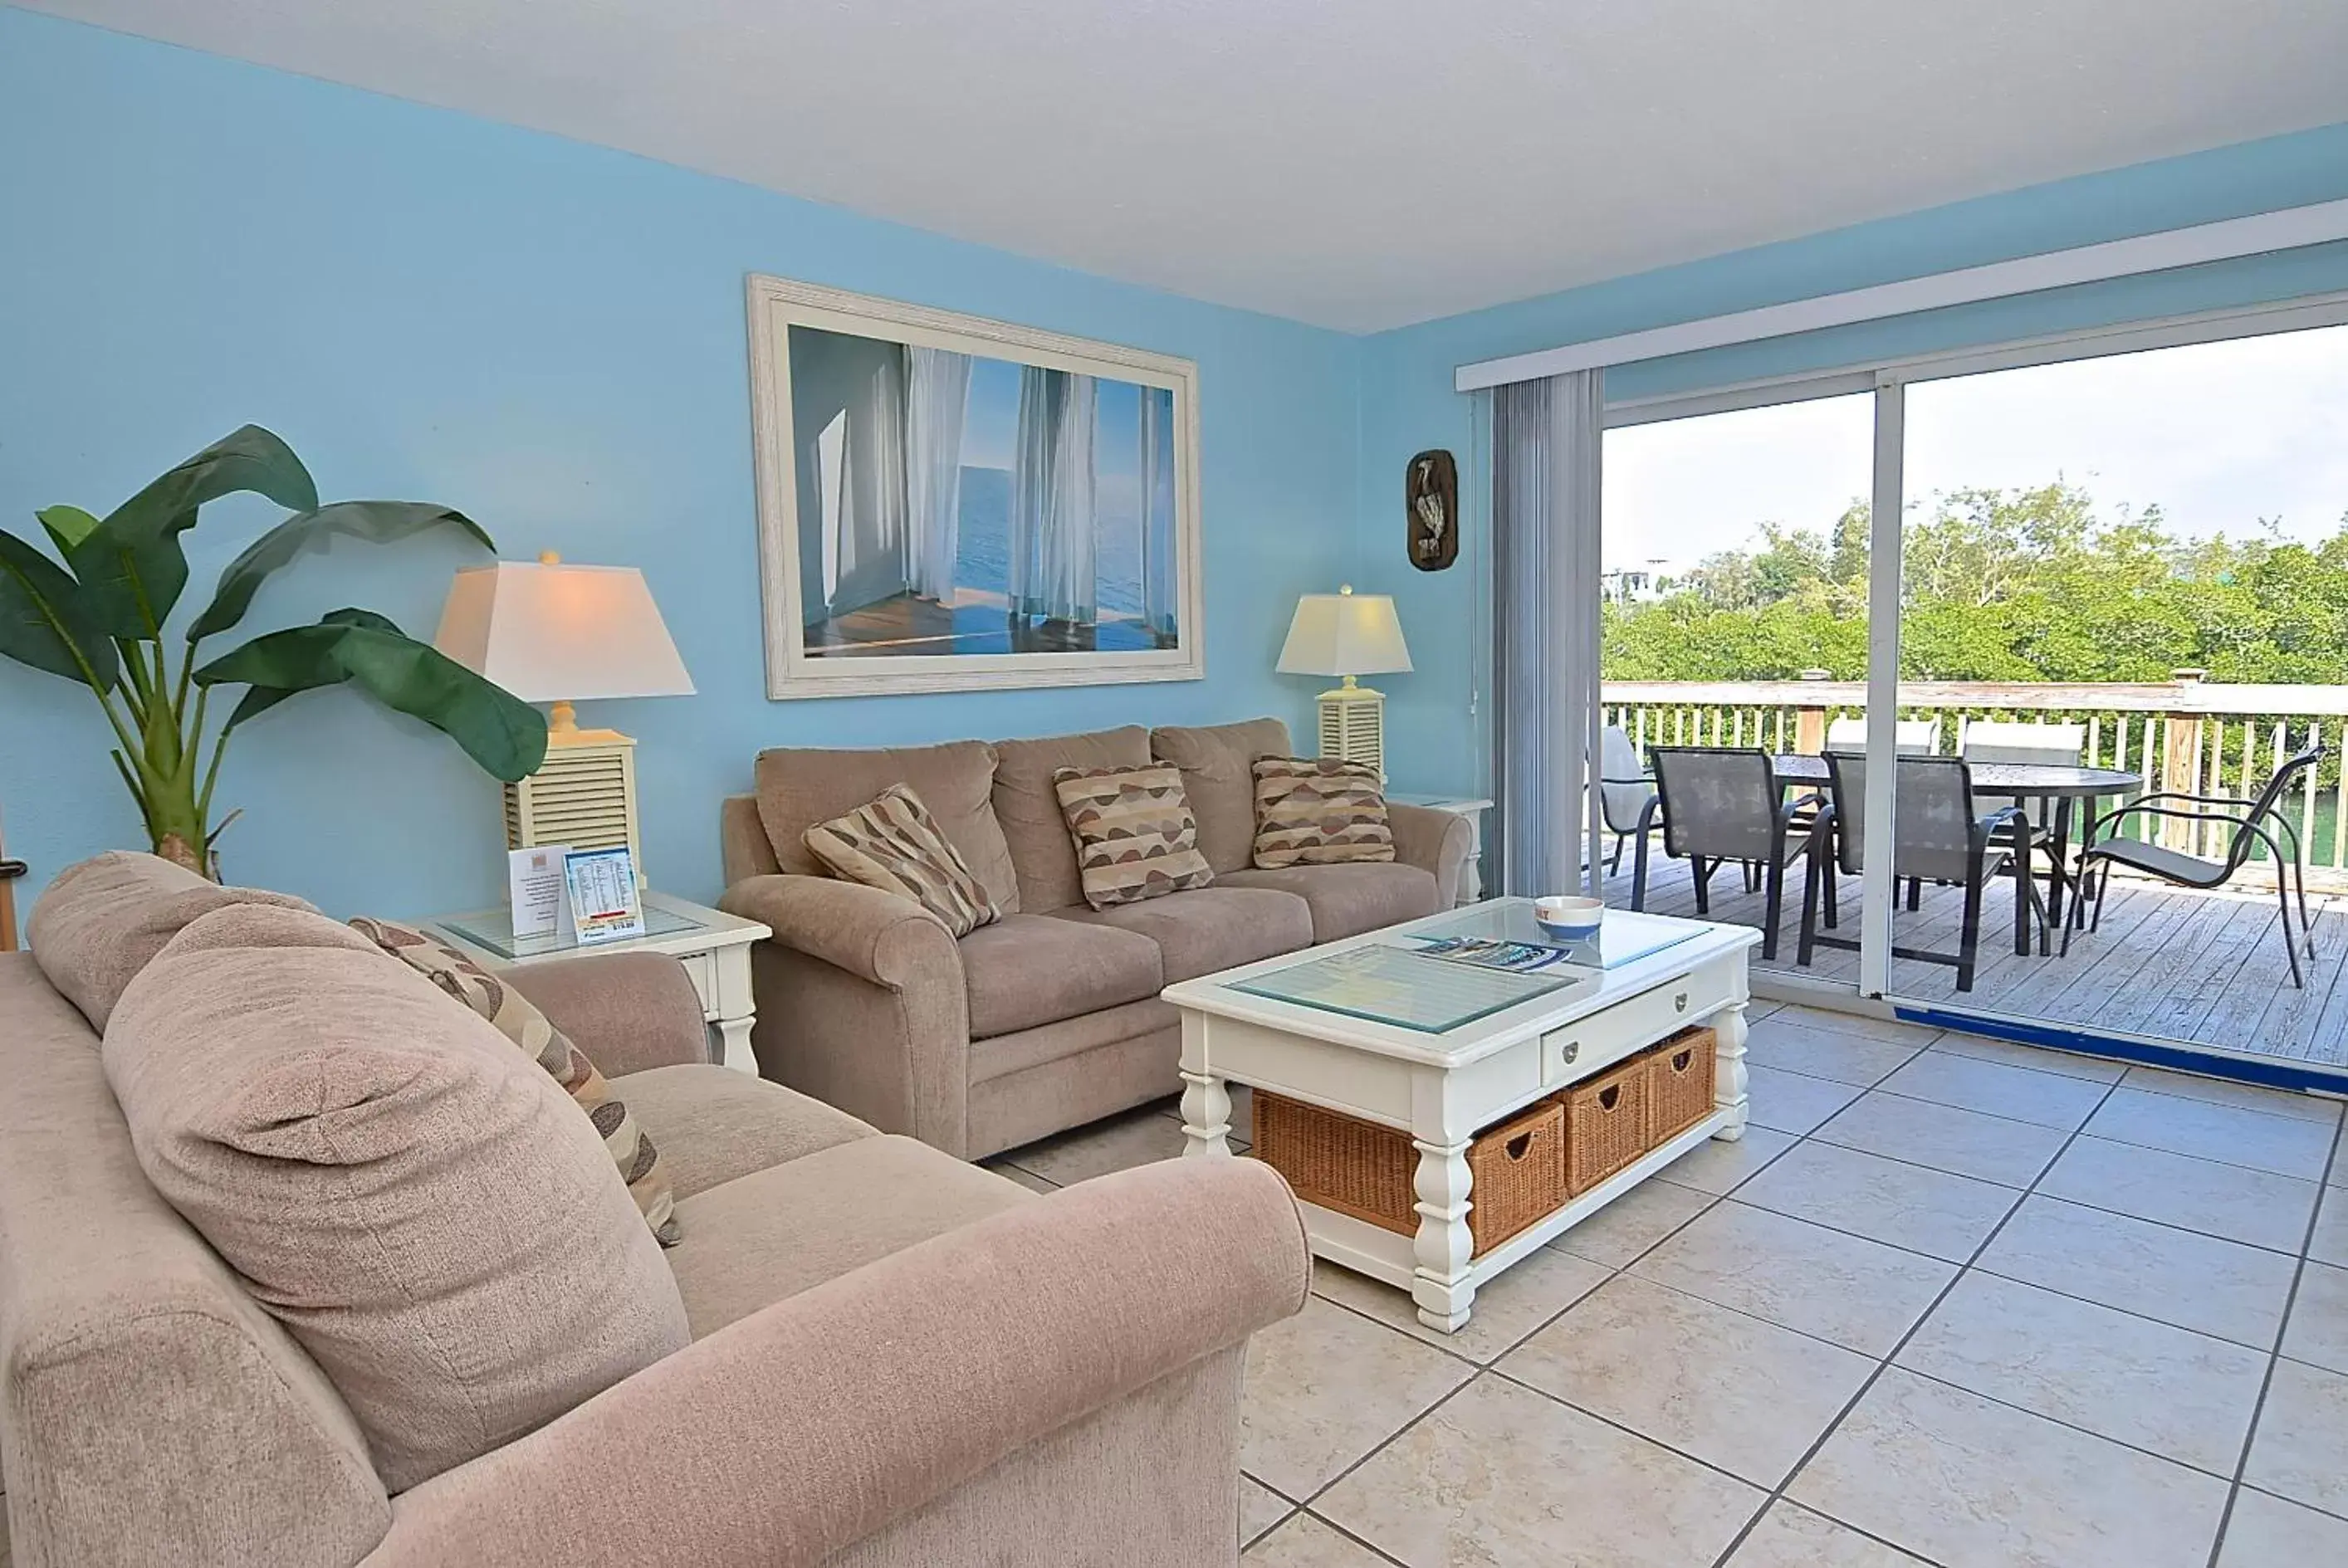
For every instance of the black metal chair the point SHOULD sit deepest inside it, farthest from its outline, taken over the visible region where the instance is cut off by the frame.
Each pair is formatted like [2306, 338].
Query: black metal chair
[2254, 821]
[1722, 804]
[1936, 835]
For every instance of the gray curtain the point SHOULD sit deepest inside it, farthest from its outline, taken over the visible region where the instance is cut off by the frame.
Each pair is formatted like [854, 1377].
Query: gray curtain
[1545, 632]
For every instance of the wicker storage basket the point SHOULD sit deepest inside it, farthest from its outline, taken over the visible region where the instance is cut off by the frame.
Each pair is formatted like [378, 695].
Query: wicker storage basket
[1516, 1170]
[1679, 1083]
[1339, 1162]
[1516, 1174]
[1606, 1124]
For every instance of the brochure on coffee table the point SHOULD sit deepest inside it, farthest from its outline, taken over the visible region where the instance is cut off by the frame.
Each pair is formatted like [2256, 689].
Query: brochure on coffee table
[1491, 953]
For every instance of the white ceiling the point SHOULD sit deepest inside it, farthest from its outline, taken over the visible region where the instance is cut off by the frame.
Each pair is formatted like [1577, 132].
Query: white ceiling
[1355, 163]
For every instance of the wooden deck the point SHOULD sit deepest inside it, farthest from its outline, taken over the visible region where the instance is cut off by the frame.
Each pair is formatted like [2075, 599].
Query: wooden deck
[2204, 967]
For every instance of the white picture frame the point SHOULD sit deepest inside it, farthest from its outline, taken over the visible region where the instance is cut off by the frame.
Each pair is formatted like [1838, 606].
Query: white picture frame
[1155, 631]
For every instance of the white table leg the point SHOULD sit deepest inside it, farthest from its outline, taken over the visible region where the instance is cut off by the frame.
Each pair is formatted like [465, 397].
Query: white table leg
[1440, 1285]
[1729, 1077]
[1206, 1114]
[733, 1034]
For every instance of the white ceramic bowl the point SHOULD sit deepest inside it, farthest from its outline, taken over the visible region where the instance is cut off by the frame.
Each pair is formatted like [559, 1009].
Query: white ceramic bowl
[1569, 918]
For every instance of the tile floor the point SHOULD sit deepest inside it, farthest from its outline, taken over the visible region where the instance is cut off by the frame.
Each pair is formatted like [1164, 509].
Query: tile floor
[1949, 1302]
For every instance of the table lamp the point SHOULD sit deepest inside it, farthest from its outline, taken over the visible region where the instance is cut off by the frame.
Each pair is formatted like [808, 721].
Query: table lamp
[551, 632]
[1349, 634]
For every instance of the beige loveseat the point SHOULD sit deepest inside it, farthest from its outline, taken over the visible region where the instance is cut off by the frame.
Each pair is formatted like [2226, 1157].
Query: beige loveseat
[1050, 1017]
[884, 1357]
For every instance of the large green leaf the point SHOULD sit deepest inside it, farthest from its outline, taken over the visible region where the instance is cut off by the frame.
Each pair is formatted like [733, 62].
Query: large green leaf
[131, 563]
[45, 619]
[379, 522]
[68, 525]
[504, 734]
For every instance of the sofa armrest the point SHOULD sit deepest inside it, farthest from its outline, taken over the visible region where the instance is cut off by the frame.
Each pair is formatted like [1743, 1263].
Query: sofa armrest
[877, 937]
[809, 1425]
[1433, 841]
[627, 1012]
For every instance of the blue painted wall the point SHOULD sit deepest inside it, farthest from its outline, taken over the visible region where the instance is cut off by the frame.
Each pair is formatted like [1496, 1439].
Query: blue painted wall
[551, 337]
[1437, 736]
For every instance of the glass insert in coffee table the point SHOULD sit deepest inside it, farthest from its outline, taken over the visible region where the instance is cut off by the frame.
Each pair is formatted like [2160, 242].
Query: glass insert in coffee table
[493, 929]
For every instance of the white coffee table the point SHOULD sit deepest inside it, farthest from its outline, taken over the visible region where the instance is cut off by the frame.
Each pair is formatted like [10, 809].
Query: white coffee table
[1442, 1087]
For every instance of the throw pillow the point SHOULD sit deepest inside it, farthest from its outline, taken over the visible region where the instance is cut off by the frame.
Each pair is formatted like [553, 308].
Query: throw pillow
[1319, 812]
[1134, 835]
[893, 844]
[518, 1018]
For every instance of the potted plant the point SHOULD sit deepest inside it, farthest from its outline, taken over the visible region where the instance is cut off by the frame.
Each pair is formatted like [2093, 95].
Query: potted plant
[99, 614]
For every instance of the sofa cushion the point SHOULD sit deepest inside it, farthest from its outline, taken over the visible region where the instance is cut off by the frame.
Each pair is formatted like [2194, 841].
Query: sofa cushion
[1028, 807]
[1347, 900]
[1210, 928]
[800, 786]
[715, 1123]
[415, 1200]
[101, 921]
[1215, 761]
[1030, 969]
[790, 1228]
[1134, 834]
[634, 1155]
[1319, 812]
[891, 842]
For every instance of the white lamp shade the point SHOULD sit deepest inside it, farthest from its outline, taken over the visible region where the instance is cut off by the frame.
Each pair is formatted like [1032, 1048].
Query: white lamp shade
[551, 632]
[1343, 633]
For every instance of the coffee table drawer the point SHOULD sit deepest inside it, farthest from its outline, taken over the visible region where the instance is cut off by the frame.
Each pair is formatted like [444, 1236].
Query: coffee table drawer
[1604, 1038]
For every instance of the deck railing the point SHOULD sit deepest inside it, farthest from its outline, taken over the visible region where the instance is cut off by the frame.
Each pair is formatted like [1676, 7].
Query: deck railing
[2191, 735]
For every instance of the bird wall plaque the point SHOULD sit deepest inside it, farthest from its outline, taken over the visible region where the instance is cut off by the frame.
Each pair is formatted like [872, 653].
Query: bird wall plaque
[1431, 504]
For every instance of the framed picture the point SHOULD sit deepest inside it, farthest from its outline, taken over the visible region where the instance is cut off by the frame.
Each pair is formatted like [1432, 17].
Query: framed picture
[953, 504]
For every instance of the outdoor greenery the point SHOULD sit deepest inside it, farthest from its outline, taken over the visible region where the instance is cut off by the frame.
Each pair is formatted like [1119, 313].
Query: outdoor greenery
[2002, 585]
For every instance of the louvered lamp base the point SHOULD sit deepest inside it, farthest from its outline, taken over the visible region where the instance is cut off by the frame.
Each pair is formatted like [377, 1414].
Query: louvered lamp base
[584, 795]
[1354, 726]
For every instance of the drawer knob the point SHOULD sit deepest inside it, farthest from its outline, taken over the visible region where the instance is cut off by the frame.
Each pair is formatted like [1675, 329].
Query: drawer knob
[1572, 1053]
[1679, 1002]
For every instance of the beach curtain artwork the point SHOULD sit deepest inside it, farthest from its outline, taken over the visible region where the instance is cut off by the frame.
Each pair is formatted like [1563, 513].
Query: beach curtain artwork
[948, 503]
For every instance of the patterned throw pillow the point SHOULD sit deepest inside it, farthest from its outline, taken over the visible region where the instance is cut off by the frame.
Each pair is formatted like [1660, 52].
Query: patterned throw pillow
[1319, 812]
[1134, 835]
[893, 844]
[518, 1018]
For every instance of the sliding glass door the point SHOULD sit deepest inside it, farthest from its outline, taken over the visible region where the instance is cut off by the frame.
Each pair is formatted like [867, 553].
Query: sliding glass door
[2099, 574]
[2136, 566]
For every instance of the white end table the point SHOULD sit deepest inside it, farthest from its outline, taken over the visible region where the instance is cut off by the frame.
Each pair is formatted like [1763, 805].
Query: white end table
[712, 946]
[1442, 1085]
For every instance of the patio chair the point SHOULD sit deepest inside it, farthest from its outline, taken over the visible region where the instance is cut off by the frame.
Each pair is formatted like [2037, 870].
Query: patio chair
[1722, 804]
[2251, 824]
[1910, 738]
[1628, 802]
[1936, 834]
[2050, 746]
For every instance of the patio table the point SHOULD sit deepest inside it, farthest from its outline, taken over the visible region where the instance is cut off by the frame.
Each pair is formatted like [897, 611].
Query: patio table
[2051, 782]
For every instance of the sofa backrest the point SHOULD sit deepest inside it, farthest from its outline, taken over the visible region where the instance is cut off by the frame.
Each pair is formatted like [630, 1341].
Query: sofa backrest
[1215, 761]
[1042, 851]
[103, 918]
[799, 786]
[116, 1318]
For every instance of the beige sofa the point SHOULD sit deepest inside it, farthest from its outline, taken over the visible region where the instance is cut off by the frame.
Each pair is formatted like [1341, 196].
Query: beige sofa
[886, 1358]
[1050, 1017]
